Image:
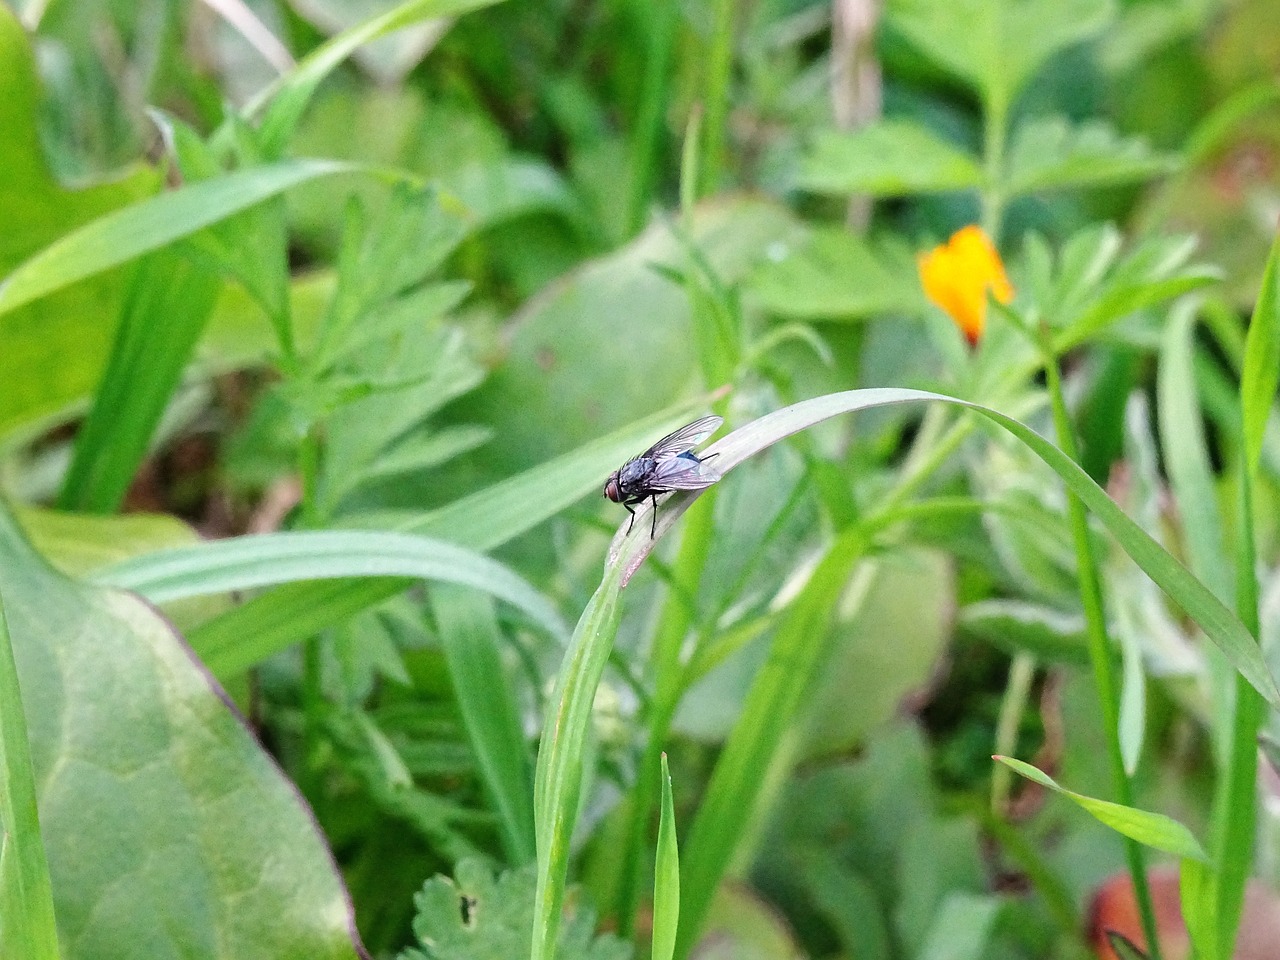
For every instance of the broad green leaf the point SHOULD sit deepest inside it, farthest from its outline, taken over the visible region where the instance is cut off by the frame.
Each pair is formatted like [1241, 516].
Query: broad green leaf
[1018, 626]
[481, 521]
[469, 635]
[126, 234]
[285, 101]
[996, 46]
[1218, 622]
[890, 158]
[1050, 154]
[147, 780]
[666, 880]
[26, 897]
[56, 346]
[1261, 373]
[1198, 885]
[834, 274]
[1152, 829]
[269, 559]
[478, 916]
[78, 543]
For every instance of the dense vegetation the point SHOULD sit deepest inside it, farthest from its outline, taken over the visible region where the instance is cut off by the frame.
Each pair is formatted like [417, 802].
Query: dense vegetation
[323, 323]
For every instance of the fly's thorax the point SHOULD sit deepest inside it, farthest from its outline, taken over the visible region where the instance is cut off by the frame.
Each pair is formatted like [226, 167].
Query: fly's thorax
[635, 473]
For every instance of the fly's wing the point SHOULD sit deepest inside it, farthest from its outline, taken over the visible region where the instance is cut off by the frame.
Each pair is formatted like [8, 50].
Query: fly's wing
[683, 473]
[684, 439]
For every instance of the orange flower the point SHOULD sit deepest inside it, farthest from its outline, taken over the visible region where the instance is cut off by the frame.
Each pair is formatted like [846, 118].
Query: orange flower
[957, 275]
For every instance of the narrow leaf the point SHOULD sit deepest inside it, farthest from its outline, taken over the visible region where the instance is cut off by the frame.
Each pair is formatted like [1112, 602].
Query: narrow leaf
[666, 881]
[1153, 829]
[129, 232]
[1261, 374]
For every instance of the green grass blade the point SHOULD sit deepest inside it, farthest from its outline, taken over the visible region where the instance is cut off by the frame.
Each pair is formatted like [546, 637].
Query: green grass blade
[1155, 830]
[1261, 374]
[28, 929]
[469, 636]
[487, 519]
[558, 784]
[1199, 603]
[245, 563]
[129, 232]
[740, 775]
[286, 100]
[666, 880]
[169, 301]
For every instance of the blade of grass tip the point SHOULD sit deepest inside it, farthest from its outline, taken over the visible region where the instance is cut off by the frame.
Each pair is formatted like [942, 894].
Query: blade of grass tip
[469, 635]
[128, 233]
[558, 782]
[1155, 830]
[26, 894]
[666, 880]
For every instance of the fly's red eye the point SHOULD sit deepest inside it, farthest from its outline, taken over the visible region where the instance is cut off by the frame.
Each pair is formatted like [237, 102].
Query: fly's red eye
[611, 489]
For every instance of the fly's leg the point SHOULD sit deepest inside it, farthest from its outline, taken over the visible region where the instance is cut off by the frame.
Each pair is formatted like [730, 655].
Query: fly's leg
[653, 529]
[633, 516]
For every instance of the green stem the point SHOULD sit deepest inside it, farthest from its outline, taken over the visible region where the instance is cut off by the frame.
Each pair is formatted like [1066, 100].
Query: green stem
[1099, 643]
[995, 129]
[1021, 672]
[1056, 895]
[1236, 807]
[719, 69]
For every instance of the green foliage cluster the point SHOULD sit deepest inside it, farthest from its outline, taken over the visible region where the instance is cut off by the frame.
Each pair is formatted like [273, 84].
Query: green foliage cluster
[322, 323]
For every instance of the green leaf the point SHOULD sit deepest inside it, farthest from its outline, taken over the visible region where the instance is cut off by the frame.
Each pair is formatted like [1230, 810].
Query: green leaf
[78, 543]
[739, 776]
[1261, 374]
[1050, 154]
[996, 45]
[469, 635]
[129, 233]
[480, 917]
[891, 158]
[245, 563]
[1018, 626]
[165, 311]
[1124, 948]
[666, 880]
[29, 929]
[286, 100]
[836, 275]
[1152, 829]
[561, 755]
[963, 927]
[57, 346]
[158, 807]
[481, 521]
[1198, 888]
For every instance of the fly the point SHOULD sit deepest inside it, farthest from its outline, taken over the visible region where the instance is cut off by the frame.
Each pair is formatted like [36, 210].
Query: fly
[670, 464]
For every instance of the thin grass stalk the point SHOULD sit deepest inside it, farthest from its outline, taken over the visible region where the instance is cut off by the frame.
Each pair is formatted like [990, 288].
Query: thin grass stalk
[650, 121]
[1236, 814]
[719, 70]
[26, 893]
[1099, 643]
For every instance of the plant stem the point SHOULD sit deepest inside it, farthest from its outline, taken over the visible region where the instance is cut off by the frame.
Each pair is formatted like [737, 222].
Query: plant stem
[719, 69]
[994, 133]
[1235, 814]
[648, 138]
[1099, 642]
[1021, 672]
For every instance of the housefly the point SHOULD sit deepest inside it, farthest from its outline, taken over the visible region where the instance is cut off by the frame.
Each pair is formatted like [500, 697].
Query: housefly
[670, 464]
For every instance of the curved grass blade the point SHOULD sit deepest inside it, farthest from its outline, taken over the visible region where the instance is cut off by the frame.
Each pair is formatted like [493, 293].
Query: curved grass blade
[245, 563]
[1261, 374]
[1155, 830]
[1218, 622]
[128, 233]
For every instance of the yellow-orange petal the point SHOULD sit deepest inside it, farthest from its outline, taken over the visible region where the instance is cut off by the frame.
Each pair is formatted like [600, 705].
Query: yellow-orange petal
[957, 275]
